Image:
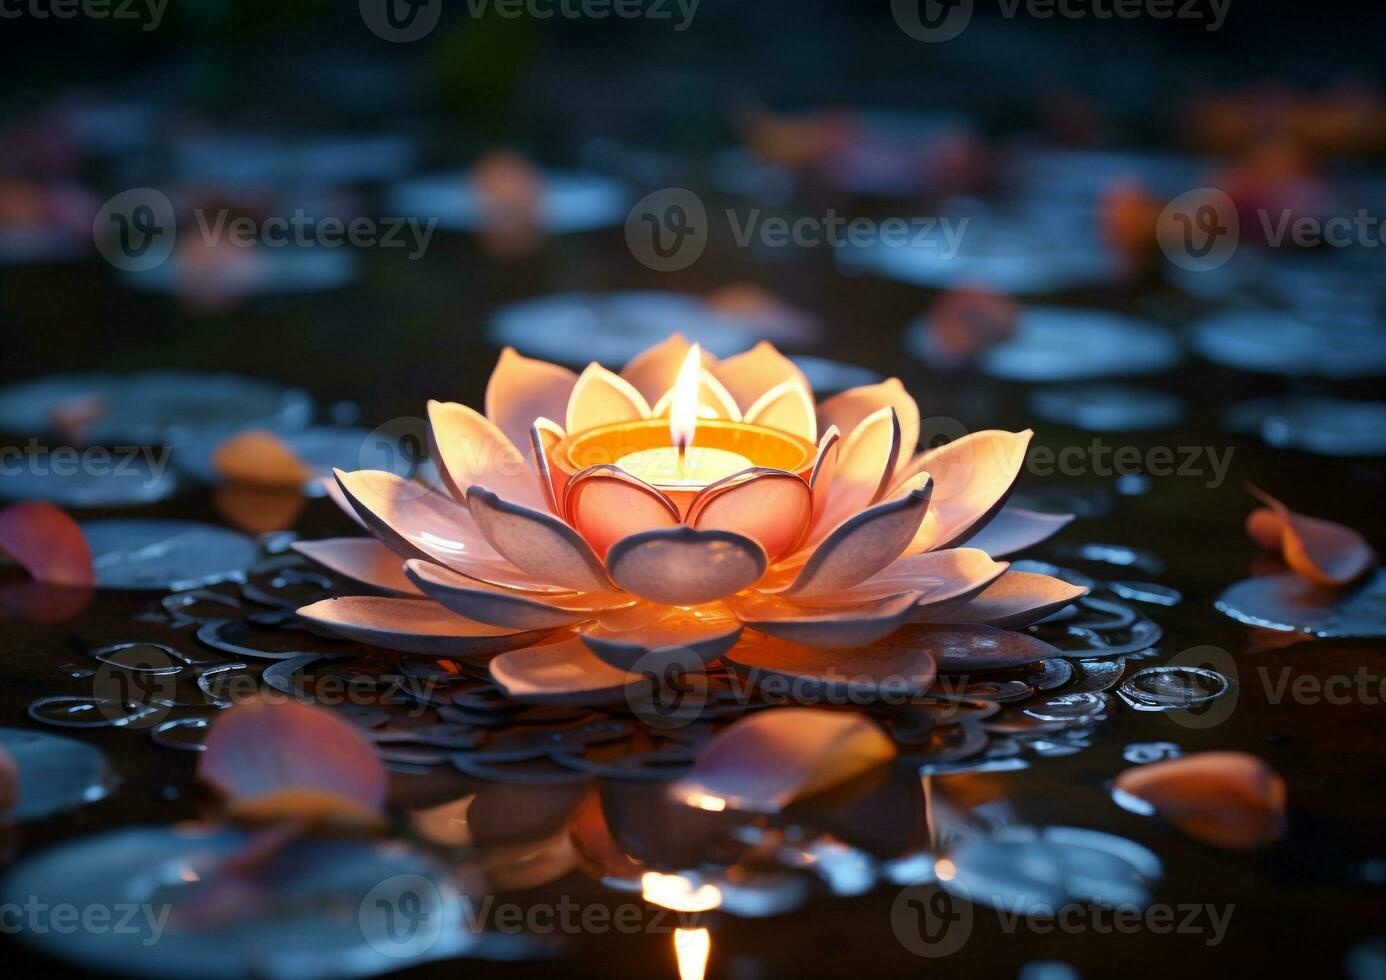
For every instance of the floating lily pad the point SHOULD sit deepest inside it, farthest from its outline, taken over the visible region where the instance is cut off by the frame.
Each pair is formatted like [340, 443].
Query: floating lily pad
[55, 773]
[570, 203]
[1289, 603]
[165, 554]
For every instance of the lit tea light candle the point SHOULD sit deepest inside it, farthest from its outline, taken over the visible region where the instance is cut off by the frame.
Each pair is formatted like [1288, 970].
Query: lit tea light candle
[681, 466]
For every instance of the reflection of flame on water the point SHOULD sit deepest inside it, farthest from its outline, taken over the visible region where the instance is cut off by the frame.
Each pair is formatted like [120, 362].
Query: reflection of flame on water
[692, 946]
[675, 891]
[706, 801]
[945, 870]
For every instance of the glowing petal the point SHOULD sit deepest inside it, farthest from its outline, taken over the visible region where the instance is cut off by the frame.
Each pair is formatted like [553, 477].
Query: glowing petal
[749, 375]
[47, 543]
[683, 566]
[605, 504]
[945, 578]
[714, 401]
[471, 451]
[819, 626]
[1227, 799]
[292, 761]
[522, 389]
[653, 370]
[537, 543]
[364, 560]
[544, 435]
[864, 544]
[260, 458]
[603, 398]
[863, 470]
[705, 632]
[973, 476]
[770, 507]
[566, 672]
[767, 761]
[854, 406]
[821, 479]
[788, 407]
[1324, 552]
[413, 626]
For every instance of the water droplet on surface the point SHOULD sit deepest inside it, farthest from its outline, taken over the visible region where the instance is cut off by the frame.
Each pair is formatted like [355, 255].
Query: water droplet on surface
[1167, 688]
[1140, 753]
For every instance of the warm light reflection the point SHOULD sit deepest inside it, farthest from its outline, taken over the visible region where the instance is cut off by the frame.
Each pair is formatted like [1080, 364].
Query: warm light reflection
[691, 947]
[705, 801]
[683, 407]
[676, 892]
[945, 869]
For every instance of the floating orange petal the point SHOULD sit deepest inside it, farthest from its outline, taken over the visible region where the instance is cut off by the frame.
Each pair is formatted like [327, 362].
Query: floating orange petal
[260, 458]
[47, 543]
[1227, 799]
[1324, 552]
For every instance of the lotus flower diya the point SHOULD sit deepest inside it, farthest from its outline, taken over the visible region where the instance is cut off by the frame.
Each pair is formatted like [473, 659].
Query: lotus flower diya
[686, 508]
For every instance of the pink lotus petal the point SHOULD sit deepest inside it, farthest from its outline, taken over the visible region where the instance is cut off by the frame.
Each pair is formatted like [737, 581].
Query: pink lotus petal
[944, 577]
[856, 673]
[537, 543]
[684, 567]
[522, 389]
[471, 451]
[415, 522]
[566, 672]
[338, 497]
[965, 647]
[602, 398]
[654, 369]
[1324, 552]
[260, 458]
[9, 782]
[292, 760]
[544, 436]
[865, 544]
[1014, 529]
[771, 507]
[605, 504]
[714, 401]
[863, 470]
[1227, 799]
[363, 560]
[770, 759]
[849, 409]
[749, 375]
[47, 543]
[820, 626]
[413, 626]
[499, 606]
[1014, 600]
[821, 478]
[705, 632]
[973, 476]
[787, 407]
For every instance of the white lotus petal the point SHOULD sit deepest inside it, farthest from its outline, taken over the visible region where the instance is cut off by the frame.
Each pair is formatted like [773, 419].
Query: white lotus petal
[364, 560]
[749, 375]
[818, 626]
[1014, 600]
[851, 408]
[701, 633]
[862, 472]
[522, 389]
[499, 606]
[603, 398]
[413, 626]
[565, 672]
[471, 451]
[854, 674]
[1014, 529]
[768, 760]
[863, 545]
[945, 578]
[605, 504]
[973, 476]
[537, 543]
[787, 407]
[821, 479]
[544, 435]
[334, 492]
[683, 566]
[771, 507]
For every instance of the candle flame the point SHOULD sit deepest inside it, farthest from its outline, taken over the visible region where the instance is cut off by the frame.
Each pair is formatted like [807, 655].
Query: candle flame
[683, 407]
